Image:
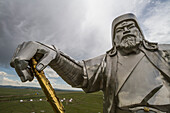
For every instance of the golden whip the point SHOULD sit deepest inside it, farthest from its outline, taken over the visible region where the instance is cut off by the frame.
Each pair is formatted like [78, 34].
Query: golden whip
[47, 88]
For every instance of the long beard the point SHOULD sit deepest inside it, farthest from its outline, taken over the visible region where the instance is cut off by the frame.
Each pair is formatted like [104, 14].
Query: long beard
[130, 44]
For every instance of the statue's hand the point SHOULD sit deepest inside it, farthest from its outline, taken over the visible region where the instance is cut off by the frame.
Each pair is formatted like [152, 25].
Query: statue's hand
[23, 54]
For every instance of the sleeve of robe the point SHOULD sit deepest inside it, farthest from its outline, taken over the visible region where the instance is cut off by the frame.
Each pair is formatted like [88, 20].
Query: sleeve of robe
[87, 74]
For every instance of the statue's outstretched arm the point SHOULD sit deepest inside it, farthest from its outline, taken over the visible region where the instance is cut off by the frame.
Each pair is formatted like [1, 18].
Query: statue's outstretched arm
[67, 68]
[70, 70]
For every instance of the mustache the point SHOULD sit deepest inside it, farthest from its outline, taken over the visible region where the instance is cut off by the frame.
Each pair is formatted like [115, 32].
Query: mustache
[127, 35]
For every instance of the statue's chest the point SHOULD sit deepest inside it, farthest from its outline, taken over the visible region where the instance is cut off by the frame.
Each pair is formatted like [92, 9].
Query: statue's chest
[136, 78]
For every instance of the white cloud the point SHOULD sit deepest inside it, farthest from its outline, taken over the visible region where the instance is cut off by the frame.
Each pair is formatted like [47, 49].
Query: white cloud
[7, 81]
[4, 80]
[55, 84]
[65, 87]
[2, 73]
[157, 23]
[50, 72]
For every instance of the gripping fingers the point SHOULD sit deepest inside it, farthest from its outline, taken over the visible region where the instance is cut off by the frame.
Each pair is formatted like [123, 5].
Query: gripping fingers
[22, 69]
[49, 55]
[28, 50]
[25, 75]
[25, 52]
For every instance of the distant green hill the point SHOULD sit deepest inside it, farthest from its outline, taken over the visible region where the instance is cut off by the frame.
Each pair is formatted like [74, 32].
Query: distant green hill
[28, 87]
[82, 103]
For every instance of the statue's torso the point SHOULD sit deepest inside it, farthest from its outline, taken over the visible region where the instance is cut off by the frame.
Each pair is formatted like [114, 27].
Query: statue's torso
[139, 81]
[129, 80]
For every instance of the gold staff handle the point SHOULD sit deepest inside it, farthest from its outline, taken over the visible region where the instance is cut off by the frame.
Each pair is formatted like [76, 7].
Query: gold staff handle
[47, 88]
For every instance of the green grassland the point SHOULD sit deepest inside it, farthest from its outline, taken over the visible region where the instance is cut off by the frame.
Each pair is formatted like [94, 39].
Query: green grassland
[82, 102]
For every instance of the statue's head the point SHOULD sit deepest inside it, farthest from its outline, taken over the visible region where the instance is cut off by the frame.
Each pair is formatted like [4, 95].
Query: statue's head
[127, 35]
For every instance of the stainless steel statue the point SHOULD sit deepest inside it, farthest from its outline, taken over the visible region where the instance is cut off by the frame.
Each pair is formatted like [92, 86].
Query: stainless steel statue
[134, 75]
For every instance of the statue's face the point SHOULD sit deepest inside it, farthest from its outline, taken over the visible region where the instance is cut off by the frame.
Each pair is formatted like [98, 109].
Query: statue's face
[127, 36]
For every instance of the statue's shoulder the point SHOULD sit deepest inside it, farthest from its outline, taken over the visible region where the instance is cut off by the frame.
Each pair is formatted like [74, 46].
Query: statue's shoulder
[164, 47]
[96, 60]
[164, 50]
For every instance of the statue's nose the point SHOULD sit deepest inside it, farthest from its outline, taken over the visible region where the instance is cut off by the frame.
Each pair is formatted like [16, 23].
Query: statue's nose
[126, 30]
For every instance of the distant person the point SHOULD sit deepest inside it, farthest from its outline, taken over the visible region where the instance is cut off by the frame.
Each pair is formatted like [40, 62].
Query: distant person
[134, 75]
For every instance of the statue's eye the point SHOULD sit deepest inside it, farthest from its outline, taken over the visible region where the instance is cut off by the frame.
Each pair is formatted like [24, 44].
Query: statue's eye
[119, 30]
[131, 26]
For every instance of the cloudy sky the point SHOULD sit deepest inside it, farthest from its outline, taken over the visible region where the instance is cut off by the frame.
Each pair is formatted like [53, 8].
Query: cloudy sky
[79, 28]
